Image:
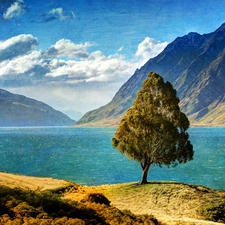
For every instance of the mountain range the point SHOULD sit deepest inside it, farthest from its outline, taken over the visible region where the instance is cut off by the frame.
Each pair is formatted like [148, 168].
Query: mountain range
[18, 110]
[195, 65]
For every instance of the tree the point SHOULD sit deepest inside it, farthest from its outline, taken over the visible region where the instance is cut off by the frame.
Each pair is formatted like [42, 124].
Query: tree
[153, 130]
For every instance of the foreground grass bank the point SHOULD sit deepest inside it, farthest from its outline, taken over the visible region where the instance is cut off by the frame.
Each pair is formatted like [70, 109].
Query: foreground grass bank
[30, 200]
[18, 206]
[169, 201]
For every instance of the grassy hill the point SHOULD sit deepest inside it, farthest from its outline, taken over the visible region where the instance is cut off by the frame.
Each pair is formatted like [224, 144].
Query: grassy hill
[30, 200]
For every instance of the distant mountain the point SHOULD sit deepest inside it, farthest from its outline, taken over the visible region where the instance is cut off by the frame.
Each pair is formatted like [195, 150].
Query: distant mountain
[18, 110]
[195, 65]
[73, 114]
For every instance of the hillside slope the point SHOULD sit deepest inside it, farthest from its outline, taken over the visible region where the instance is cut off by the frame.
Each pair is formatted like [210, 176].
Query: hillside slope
[18, 110]
[169, 202]
[22, 205]
[194, 64]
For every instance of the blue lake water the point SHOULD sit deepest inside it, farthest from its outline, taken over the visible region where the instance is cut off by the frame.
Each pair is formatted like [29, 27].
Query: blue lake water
[85, 156]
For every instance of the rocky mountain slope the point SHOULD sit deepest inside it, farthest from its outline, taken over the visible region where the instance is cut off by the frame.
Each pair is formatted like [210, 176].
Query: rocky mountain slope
[18, 110]
[195, 65]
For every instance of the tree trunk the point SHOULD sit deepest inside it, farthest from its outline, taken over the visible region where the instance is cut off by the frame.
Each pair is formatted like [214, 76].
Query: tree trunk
[145, 174]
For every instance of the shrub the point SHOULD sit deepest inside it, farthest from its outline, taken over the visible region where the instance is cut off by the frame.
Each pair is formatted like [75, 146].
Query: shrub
[97, 198]
[214, 212]
[16, 204]
[47, 208]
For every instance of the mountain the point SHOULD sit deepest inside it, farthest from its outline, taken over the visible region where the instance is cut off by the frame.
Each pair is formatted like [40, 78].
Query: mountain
[18, 110]
[73, 114]
[195, 65]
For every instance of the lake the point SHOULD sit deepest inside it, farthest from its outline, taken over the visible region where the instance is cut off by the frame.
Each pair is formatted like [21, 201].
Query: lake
[85, 156]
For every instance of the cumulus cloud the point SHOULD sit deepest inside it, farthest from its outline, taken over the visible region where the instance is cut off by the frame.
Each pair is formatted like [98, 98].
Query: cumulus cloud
[66, 48]
[82, 66]
[64, 62]
[150, 48]
[16, 9]
[68, 62]
[21, 64]
[18, 45]
[95, 68]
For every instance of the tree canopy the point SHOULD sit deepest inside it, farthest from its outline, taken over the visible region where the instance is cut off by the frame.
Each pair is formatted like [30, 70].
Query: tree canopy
[153, 130]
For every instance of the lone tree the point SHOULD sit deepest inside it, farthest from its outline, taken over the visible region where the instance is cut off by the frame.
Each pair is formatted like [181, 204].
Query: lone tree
[153, 130]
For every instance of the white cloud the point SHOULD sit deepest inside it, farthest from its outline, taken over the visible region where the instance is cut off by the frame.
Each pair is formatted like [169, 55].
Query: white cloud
[70, 63]
[15, 10]
[120, 49]
[69, 49]
[21, 64]
[65, 62]
[149, 48]
[18, 45]
[81, 66]
[96, 67]
[58, 13]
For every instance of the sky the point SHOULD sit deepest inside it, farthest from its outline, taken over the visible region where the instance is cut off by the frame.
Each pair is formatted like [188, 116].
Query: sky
[75, 54]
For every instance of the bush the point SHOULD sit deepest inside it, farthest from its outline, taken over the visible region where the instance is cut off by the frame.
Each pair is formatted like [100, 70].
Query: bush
[214, 212]
[16, 203]
[97, 198]
[47, 208]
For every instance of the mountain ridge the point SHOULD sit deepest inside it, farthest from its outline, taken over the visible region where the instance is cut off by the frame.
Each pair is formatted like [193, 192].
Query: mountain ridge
[194, 64]
[19, 110]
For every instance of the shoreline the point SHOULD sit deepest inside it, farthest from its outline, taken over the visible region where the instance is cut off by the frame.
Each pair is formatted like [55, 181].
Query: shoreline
[47, 182]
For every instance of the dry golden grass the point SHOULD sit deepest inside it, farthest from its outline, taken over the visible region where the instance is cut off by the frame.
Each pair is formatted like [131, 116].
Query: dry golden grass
[171, 203]
[31, 183]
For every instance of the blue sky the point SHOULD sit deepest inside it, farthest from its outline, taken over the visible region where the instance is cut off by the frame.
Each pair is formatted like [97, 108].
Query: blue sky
[75, 54]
